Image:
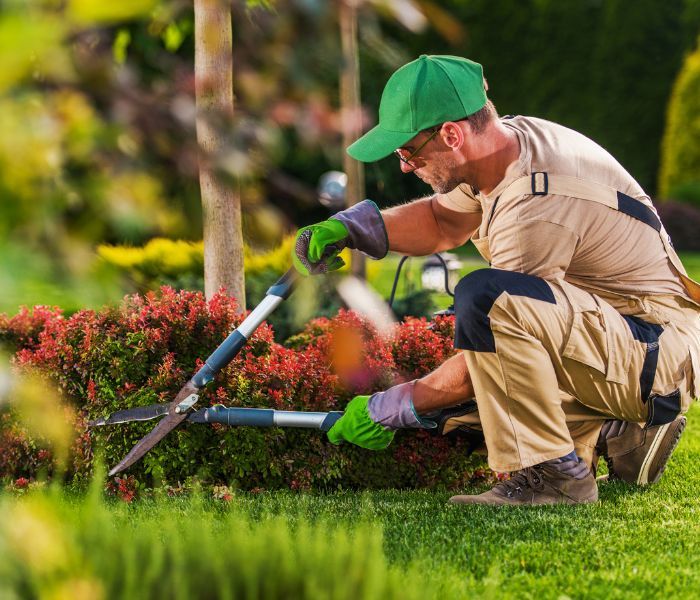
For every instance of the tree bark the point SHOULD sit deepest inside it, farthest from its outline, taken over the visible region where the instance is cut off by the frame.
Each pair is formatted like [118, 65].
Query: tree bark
[221, 205]
[351, 114]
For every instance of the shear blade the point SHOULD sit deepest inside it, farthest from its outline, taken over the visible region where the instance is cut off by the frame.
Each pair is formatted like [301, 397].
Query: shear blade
[140, 413]
[163, 428]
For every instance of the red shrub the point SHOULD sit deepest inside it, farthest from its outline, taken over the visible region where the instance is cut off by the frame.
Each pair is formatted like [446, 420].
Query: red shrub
[421, 346]
[353, 350]
[145, 350]
[23, 329]
[20, 456]
[125, 488]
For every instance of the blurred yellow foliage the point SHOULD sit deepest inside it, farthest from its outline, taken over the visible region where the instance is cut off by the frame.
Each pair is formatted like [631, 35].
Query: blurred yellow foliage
[30, 144]
[158, 256]
[80, 123]
[41, 132]
[77, 588]
[94, 12]
[31, 46]
[135, 202]
[41, 410]
[35, 534]
[173, 257]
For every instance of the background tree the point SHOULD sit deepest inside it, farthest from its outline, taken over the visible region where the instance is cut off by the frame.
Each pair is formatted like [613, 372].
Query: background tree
[351, 113]
[221, 205]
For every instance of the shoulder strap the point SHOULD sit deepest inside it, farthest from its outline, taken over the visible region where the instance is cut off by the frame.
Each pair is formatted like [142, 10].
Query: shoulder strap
[541, 184]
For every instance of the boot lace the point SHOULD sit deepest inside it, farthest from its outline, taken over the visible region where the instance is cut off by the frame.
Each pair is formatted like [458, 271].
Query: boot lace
[521, 481]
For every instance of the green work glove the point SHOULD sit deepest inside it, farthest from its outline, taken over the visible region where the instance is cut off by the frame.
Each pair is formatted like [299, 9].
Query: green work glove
[356, 427]
[317, 247]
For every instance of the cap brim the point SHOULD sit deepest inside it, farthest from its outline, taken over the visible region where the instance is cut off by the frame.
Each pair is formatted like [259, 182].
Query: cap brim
[378, 143]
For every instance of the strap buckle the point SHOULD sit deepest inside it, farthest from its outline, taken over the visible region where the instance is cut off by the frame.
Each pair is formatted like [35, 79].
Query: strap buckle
[540, 183]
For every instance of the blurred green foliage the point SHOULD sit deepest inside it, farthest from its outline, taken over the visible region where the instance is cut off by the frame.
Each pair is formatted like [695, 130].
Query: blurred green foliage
[603, 68]
[54, 545]
[97, 105]
[680, 168]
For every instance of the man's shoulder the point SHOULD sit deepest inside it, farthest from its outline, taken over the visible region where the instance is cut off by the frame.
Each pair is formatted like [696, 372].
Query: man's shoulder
[548, 133]
[557, 149]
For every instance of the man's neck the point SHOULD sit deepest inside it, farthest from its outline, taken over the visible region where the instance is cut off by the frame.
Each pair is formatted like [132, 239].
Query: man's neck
[498, 149]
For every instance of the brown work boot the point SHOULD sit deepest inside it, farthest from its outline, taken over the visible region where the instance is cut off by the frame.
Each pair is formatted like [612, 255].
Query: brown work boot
[541, 484]
[638, 455]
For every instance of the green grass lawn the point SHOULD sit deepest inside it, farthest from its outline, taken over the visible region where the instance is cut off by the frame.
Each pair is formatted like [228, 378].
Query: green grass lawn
[635, 543]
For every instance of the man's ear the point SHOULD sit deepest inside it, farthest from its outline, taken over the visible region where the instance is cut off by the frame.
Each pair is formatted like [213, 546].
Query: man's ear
[452, 134]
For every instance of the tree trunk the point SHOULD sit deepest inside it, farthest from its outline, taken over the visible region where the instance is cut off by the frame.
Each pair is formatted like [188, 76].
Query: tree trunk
[221, 205]
[351, 115]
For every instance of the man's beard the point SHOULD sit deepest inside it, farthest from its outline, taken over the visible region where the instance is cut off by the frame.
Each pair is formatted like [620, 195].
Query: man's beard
[443, 178]
[444, 186]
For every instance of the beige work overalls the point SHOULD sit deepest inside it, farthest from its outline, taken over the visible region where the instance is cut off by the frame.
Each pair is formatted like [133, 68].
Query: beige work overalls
[560, 368]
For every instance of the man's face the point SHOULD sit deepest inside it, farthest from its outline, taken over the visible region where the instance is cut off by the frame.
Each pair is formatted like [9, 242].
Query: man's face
[440, 172]
[427, 157]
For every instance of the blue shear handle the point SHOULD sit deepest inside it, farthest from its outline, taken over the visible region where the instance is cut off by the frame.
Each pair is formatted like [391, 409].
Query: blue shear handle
[232, 345]
[256, 417]
[266, 417]
[330, 420]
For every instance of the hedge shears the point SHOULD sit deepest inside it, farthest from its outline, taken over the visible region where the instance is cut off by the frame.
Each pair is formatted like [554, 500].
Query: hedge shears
[182, 407]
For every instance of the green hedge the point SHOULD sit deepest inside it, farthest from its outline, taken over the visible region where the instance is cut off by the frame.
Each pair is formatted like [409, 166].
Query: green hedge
[143, 352]
[679, 177]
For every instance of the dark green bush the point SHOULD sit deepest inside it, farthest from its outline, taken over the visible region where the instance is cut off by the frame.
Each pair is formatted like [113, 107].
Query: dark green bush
[605, 69]
[682, 221]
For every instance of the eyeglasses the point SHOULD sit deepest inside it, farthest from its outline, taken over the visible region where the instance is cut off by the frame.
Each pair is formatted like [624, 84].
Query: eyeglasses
[407, 159]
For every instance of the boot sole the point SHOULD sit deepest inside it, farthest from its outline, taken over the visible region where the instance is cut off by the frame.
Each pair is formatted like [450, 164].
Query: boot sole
[468, 500]
[664, 443]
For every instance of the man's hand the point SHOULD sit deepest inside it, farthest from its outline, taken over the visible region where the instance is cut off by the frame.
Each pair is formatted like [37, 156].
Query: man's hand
[370, 421]
[357, 427]
[317, 247]
[359, 227]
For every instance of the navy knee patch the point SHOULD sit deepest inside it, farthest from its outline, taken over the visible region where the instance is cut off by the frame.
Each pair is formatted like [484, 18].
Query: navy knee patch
[649, 334]
[474, 298]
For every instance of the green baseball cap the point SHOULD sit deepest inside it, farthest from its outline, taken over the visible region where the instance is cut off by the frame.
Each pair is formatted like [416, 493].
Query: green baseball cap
[426, 92]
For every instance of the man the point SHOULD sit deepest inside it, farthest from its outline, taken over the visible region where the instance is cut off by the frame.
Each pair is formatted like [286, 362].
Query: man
[581, 338]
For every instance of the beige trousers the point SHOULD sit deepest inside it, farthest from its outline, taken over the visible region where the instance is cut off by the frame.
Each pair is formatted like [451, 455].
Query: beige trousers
[583, 423]
[549, 364]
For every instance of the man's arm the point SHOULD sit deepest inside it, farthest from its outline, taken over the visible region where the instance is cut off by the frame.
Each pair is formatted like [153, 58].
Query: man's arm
[425, 226]
[370, 421]
[446, 386]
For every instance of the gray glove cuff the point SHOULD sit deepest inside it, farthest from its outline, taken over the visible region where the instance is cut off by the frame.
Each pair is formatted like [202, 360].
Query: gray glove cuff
[394, 408]
[366, 228]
